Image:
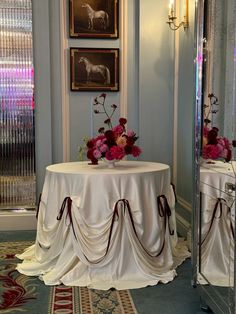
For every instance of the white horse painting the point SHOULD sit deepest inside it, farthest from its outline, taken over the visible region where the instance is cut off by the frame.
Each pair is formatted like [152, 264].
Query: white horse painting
[99, 68]
[92, 14]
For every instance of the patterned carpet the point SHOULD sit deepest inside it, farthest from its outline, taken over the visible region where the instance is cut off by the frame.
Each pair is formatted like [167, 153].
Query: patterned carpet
[20, 293]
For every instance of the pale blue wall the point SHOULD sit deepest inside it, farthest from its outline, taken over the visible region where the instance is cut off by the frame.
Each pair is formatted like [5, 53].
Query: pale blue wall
[133, 64]
[156, 82]
[186, 83]
[41, 46]
[150, 83]
[55, 26]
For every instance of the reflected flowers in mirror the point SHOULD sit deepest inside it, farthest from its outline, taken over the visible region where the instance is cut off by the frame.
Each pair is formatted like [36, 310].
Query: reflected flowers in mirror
[215, 146]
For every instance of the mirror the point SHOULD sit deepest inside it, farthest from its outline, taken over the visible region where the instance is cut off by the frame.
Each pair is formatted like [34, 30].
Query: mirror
[215, 231]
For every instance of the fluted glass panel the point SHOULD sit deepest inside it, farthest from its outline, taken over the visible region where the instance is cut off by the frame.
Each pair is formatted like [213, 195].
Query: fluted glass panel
[17, 137]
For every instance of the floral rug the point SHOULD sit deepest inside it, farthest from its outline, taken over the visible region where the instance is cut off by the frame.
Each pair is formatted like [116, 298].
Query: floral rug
[20, 293]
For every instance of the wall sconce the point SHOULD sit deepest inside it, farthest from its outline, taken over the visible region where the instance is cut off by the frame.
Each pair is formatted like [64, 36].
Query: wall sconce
[172, 18]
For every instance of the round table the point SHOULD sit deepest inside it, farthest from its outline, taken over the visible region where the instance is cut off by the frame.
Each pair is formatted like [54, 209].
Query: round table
[217, 222]
[103, 228]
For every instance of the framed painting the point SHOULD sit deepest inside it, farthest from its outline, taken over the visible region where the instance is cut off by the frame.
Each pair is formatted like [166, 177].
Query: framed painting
[94, 69]
[94, 18]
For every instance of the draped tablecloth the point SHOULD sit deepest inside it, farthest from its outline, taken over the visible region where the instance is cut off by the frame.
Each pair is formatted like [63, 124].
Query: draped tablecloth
[217, 223]
[104, 228]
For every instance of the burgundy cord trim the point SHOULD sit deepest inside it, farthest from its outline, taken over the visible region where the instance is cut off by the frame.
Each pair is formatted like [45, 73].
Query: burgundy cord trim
[218, 205]
[163, 213]
[44, 248]
[38, 205]
[63, 206]
[67, 201]
[231, 227]
[164, 210]
[115, 213]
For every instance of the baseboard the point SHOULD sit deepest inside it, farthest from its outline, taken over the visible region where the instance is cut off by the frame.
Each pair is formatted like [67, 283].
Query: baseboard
[23, 220]
[184, 204]
[182, 225]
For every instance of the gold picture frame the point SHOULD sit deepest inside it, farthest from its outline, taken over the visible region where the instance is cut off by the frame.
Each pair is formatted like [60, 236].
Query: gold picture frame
[94, 69]
[94, 18]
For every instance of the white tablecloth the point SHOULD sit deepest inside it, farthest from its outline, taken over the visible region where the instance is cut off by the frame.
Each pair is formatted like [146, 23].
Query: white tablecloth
[119, 204]
[217, 223]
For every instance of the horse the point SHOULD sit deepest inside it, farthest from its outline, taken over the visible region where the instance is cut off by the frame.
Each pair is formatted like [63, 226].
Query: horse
[92, 14]
[99, 68]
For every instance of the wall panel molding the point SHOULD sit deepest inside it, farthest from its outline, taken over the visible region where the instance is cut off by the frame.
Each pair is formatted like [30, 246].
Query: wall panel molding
[175, 100]
[42, 80]
[123, 58]
[64, 45]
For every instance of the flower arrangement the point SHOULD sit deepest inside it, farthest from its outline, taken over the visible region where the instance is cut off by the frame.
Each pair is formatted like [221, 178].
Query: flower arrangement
[112, 143]
[214, 146]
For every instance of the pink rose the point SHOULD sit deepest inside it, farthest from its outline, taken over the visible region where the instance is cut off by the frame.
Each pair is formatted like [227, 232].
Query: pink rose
[130, 133]
[224, 153]
[103, 148]
[117, 152]
[210, 152]
[136, 151]
[97, 154]
[98, 143]
[118, 129]
[220, 147]
[109, 155]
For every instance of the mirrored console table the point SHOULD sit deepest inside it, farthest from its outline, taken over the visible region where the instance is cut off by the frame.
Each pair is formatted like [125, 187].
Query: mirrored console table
[213, 238]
